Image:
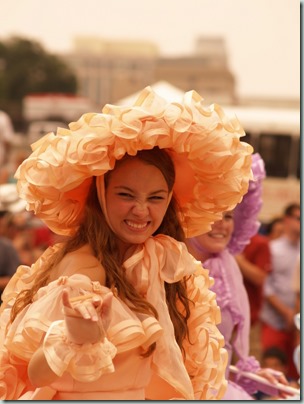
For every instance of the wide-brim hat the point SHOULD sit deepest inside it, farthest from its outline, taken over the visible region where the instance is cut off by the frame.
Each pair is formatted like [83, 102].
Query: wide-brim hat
[246, 213]
[212, 163]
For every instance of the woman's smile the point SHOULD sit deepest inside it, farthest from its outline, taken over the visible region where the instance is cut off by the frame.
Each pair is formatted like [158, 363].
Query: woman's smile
[137, 226]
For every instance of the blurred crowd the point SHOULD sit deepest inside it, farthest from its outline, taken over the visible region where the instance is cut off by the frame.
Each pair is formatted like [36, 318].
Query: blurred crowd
[270, 264]
[23, 237]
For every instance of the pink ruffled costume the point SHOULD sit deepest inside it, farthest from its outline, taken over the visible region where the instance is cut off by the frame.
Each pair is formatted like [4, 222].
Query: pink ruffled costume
[113, 369]
[230, 291]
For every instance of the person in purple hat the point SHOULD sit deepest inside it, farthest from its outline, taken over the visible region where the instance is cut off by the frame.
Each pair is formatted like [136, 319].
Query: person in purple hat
[216, 250]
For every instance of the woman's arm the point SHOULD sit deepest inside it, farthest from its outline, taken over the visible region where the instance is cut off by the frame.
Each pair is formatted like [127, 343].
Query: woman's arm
[83, 325]
[39, 371]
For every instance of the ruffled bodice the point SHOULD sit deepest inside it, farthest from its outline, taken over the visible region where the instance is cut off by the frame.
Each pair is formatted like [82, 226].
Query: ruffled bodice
[232, 299]
[114, 367]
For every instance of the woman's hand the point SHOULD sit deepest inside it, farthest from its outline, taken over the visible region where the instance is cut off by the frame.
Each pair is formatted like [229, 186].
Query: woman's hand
[86, 316]
[274, 377]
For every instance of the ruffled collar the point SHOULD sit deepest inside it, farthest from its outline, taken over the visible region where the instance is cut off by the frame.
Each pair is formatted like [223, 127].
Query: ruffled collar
[162, 259]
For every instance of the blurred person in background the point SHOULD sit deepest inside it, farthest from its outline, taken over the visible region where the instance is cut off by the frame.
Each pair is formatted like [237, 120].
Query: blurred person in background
[29, 236]
[297, 289]
[274, 358]
[255, 264]
[15, 158]
[216, 251]
[6, 139]
[9, 257]
[275, 228]
[278, 307]
[297, 284]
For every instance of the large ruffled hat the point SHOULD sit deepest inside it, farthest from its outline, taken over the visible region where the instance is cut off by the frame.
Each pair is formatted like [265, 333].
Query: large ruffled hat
[212, 164]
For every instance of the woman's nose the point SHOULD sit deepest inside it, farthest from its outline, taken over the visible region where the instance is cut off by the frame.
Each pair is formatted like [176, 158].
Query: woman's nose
[219, 223]
[140, 208]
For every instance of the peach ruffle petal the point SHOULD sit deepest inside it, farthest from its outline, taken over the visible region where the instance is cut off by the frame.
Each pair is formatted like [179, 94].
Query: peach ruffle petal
[24, 278]
[206, 366]
[86, 363]
[11, 386]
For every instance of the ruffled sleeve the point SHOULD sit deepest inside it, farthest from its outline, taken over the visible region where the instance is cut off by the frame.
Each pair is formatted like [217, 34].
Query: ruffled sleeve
[206, 358]
[42, 322]
[11, 385]
[13, 368]
[84, 362]
[249, 364]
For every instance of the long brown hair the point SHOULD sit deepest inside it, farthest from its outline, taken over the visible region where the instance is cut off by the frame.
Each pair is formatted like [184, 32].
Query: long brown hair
[95, 231]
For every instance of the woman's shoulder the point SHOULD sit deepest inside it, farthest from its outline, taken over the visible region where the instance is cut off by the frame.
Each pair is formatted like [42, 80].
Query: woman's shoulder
[82, 261]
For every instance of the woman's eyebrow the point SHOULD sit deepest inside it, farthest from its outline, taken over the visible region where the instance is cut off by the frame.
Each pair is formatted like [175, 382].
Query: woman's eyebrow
[131, 190]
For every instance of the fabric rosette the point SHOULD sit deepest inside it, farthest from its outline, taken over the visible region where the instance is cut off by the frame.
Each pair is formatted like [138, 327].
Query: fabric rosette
[11, 386]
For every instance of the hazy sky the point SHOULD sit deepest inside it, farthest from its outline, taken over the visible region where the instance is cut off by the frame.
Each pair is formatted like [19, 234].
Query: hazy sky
[262, 36]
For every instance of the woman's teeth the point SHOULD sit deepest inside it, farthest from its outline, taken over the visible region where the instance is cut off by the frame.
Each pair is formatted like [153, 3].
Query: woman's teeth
[136, 225]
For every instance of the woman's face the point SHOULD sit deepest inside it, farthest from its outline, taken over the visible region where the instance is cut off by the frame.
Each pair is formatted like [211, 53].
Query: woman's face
[218, 238]
[137, 197]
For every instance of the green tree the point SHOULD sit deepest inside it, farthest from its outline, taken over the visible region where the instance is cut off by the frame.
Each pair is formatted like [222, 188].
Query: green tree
[25, 67]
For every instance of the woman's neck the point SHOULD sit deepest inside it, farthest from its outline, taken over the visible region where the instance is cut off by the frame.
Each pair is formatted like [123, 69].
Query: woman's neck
[197, 250]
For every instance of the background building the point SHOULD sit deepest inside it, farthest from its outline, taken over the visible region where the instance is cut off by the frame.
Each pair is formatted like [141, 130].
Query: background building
[108, 71]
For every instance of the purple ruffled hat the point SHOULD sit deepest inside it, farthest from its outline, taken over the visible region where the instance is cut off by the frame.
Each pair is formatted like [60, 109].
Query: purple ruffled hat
[246, 223]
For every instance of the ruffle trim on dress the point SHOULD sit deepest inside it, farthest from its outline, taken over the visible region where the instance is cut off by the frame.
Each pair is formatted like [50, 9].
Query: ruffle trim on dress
[11, 386]
[126, 335]
[86, 363]
[126, 330]
[206, 365]
[220, 268]
[24, 278]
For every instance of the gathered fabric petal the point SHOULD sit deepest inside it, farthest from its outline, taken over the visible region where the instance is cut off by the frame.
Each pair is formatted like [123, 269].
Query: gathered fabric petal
[10, 385]
[206, 365]
[84, 362]
[24, 278]
[212, 164]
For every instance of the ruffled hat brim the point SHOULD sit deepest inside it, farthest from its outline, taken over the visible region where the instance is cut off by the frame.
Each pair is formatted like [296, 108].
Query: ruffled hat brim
[246, 223]
[212, 164]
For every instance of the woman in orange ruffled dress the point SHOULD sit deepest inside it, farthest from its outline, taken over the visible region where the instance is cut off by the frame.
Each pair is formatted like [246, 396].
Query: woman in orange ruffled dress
[118, 309]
